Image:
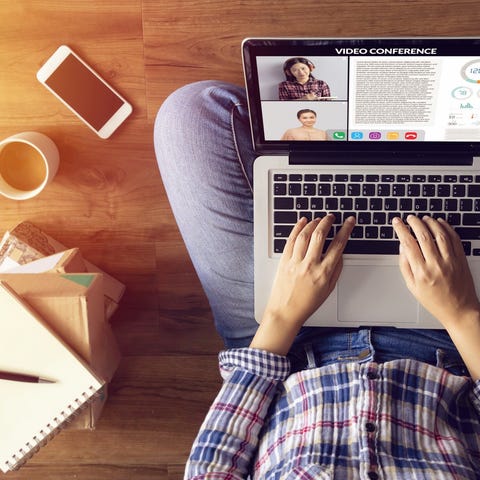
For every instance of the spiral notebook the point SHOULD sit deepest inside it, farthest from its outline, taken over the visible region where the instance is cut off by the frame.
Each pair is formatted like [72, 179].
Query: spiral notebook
[32, 413]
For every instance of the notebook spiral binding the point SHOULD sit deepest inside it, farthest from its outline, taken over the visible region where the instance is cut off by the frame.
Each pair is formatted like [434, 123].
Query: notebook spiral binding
[52, 429]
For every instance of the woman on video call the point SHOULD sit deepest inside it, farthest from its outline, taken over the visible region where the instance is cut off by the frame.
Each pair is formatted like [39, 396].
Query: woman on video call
[307, 402]
[307, 131]
[300, 84]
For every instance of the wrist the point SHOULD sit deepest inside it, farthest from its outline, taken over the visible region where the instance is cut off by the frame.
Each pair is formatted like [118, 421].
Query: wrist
[275, 333]
[462, 320]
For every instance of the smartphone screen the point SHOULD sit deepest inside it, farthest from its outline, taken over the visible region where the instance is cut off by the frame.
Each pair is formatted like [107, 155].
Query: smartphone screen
[84, 92]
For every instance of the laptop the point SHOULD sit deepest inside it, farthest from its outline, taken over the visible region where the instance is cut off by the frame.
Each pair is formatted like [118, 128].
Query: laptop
[376, 128]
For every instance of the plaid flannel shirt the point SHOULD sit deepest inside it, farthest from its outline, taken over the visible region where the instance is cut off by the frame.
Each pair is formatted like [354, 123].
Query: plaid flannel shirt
[397, 420]
[293, 90]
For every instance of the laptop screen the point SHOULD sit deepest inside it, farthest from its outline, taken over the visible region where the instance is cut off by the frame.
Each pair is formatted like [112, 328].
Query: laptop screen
[390, 95]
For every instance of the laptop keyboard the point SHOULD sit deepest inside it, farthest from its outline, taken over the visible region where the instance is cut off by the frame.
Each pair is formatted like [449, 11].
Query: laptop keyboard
[374, 200]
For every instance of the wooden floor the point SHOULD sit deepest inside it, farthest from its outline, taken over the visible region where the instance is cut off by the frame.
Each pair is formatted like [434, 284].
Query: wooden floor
[108, 197]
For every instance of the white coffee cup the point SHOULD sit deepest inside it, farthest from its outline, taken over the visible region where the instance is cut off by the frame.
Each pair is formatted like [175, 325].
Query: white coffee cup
[28, 162]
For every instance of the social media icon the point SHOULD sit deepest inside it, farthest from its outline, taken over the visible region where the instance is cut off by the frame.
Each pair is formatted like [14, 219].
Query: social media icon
[356, 135]
[374, 135]
[411, 135]
[339, 135]
[393, 135]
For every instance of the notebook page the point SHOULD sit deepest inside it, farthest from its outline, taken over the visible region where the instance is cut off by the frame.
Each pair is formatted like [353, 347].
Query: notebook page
[31, 412]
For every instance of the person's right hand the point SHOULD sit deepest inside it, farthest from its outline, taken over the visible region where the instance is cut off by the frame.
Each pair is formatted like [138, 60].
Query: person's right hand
[435, 269]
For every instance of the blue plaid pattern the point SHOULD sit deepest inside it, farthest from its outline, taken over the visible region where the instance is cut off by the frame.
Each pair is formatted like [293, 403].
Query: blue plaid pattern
[397, 420]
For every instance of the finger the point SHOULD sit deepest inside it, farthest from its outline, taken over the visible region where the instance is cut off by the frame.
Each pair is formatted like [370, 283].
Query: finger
[337, 246]
[409, 245]
[424, 237]
[288, 249]
[442, 238]
[456, 243]
[319, 235]
[303, 240]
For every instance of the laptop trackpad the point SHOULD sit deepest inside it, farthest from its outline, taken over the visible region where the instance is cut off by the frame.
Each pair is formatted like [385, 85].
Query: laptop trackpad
[375, 295]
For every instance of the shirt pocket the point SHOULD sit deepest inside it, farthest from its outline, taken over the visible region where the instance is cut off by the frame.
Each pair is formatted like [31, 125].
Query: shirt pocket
[309, 472]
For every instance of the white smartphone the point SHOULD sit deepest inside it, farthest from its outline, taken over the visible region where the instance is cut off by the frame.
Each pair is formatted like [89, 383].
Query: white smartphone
[84, 92]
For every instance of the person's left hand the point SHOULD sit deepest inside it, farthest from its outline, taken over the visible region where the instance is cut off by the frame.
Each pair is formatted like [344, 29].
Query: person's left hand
[304, 277]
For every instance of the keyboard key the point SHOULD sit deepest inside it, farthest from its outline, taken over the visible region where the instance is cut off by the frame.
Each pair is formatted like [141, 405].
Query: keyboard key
[357, 232]
[295, 189]
[443, 190]
[326, 178]
[341, 177]
[372, 178]
[339, 189]
[383, 190]
[386, 232]
[295, 177]
[388, 178]
[379, 218]
[282, 231]
[283, 203]
[450, 178]
[285, 217]
[434, 178]
[398, 190]
[361, 204]
[371, 232]
[368, 189]
[279, 245]
[376, 204]
[391, 204]
[280, 177]
[324, 189]
[419, 178]
[413, 190]
[311, 177]
[301, 203]
[316, 203]
[404, 178]
[346, 204]
[466, 178]
[309, 189]
[372, 247]
[405, 204]
[451, 204]
[474, 190]
[279, 189]
[356, 178]
[468, 233]
[458, 190]
[466, 205]
[420, 205]
[428, 190]
[435, 205]
[353, 190]
[364, 218]
[331, 203]
[453, 219]
[471, 219]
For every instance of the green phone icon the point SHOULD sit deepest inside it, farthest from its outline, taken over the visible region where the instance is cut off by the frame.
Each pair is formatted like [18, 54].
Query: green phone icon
[339, 135]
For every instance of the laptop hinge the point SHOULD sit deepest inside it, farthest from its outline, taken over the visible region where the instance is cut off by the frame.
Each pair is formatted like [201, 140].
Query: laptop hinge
[379, 158]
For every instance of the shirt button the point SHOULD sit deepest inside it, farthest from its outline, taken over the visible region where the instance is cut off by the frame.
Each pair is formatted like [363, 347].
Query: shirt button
[370, 427]
[372, 376]
[373, 475]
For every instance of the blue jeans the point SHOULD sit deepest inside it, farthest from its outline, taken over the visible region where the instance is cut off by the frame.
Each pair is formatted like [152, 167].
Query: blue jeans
[205, 155]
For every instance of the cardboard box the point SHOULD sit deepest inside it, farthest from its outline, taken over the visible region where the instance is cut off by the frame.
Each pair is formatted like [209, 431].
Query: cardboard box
[73, 306]
[26, 243]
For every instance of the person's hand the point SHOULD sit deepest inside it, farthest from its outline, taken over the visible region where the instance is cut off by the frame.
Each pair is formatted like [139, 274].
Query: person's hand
[304, 277]
[304, 280]
[310, 96]
[435, 269]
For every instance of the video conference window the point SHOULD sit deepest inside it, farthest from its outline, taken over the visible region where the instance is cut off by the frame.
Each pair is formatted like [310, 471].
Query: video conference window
[370, 97]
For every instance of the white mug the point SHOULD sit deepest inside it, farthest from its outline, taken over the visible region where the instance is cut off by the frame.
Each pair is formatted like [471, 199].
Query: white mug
[28, 162]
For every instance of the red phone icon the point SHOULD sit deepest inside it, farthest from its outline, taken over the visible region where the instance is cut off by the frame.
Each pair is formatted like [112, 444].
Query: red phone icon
[411, 135]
